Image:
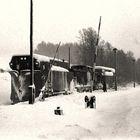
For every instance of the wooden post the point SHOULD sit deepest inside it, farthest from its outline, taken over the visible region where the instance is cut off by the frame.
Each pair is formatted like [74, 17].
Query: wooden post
[115, 66]
[134, 73]
[69, 58]
[95, 55]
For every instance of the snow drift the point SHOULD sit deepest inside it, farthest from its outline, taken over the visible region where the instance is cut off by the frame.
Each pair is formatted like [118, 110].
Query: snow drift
[5, 88]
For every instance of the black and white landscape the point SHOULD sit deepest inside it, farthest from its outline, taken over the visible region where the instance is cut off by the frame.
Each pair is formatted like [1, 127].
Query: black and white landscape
[104, 33]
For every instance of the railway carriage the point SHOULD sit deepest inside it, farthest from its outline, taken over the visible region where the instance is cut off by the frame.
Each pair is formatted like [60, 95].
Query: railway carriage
[83, 75]
[49, 75]
[104, 75]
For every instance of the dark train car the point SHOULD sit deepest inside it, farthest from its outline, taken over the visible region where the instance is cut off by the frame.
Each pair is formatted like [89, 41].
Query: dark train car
[47, 74]
[82, 77]
[104, 74]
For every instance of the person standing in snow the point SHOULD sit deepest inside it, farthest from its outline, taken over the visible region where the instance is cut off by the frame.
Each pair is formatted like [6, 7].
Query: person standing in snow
[104, 87]
[86, 101]
[92, 102]
[104, 84]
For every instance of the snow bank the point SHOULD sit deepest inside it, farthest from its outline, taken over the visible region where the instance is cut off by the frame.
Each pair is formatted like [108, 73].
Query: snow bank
[4, 63]
[5, 88]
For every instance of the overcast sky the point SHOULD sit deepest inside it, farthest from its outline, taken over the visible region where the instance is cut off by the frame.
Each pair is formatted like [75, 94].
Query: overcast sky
[61, 20]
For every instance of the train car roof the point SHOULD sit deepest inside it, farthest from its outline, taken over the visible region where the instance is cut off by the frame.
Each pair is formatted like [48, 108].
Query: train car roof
[106, 73]
[105, 68]
[76, 65]
[58, 68]
[45, 58]
[96, 67]
[39, 57]
[42, 58]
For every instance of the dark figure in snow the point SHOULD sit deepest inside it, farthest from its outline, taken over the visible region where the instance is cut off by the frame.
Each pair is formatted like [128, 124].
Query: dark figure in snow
[93, 102]
[86, 101]
[104, 87]
[104, 84]
[58, 111]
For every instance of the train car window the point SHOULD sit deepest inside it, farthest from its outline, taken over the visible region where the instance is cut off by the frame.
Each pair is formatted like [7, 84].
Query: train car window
[36, 64]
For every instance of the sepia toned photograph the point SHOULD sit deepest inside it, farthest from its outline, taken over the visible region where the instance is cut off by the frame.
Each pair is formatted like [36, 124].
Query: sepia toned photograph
[69, 70]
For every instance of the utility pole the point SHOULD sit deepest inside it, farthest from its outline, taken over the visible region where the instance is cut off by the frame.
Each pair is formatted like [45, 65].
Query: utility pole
[69, 58]
[32, 87]
[115, 66]
[134, 73]
[95, 54]
[53, 61]
[58, 54]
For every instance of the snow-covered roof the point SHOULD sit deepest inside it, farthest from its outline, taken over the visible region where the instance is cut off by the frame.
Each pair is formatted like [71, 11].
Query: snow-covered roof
[42, 58]
[108, 73]
[105, 68]
[45, 58]
[58, 68]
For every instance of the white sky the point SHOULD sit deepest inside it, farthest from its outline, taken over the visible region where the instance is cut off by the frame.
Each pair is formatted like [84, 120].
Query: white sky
[61, 20]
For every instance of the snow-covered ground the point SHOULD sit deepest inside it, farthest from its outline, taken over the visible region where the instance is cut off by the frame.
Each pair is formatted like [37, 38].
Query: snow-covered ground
[117, 116]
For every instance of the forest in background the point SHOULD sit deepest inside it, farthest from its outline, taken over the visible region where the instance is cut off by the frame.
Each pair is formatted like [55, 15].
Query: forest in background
[82, 52]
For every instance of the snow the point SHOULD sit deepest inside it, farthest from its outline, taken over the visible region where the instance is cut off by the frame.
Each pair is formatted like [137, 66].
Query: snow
[105, 68]
[116, 116]
[58, 68]
[4, 63]
[45, 58]
[5, 88]
[106, 73]
[42, 58]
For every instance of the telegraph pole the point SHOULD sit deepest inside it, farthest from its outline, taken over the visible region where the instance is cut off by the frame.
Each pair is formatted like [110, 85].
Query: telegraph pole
[69, 58]
[95, 54]
[134, 73]
[115, 66]
[53, 61]
[31, 87]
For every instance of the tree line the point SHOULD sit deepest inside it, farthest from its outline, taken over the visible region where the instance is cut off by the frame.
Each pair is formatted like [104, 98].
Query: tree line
[82, 52]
